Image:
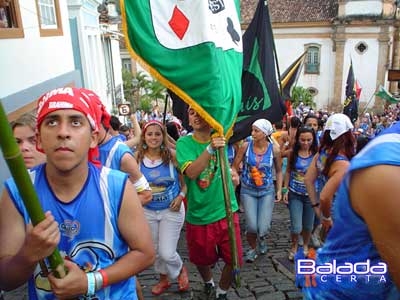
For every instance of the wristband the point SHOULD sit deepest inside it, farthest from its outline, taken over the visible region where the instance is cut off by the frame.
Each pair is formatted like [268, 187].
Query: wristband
[285, 190]
[315, 205]
[182, 194]
[98, 280]
[210, 150]
[105, 277]
[91, 289]
[142, 185]
[326, 218]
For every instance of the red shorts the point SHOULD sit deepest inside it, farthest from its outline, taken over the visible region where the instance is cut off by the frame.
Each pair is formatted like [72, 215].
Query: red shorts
[208, 243]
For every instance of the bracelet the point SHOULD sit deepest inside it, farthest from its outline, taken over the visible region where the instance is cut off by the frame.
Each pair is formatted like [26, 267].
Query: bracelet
[315, 205]
[105, 277]
[91, 289]
[326, 218]
[210, 149]
[182, 194]
[285, 190]
[98, 280]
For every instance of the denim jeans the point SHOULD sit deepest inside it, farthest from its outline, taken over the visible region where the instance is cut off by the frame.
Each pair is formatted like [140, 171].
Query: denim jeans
[258, 206]
[301, 213]
[166, 228]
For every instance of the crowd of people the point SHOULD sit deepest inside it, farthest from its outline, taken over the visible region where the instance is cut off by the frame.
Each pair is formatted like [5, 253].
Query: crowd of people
[116, 197]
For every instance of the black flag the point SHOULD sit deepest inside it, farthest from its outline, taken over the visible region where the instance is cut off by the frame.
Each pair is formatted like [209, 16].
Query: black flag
[260, 91]
[350, 106]
[290, 76]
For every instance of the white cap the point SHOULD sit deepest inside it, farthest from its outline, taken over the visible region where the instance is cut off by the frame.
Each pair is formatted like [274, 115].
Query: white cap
[264, 125]
[338, 124]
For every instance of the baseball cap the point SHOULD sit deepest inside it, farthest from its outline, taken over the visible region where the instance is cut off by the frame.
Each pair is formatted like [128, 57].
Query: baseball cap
[338, 124]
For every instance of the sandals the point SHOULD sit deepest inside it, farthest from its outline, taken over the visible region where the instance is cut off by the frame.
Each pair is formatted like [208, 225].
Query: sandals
[305, 251]
[291, 255]
[162, 286]
[183, 280]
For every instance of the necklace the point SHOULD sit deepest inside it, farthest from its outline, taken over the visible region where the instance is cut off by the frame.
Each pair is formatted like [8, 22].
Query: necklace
[152, 162]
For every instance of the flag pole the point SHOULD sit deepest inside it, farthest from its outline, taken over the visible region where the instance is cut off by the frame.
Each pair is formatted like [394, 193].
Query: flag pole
[274, 49]
[366, 106]
[165, 109]
[15, 162]
[229, 217]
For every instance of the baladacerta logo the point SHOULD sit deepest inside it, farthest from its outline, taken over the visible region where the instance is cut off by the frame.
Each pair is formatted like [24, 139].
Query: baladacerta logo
[347, 271]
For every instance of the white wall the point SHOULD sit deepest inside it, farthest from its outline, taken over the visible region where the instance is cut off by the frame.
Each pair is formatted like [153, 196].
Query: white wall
[365, 67]
[289, 49]
[31, 60]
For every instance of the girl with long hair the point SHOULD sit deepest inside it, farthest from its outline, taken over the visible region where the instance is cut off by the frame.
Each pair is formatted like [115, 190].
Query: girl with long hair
[294, 191]
[165, 212]
[329, 166]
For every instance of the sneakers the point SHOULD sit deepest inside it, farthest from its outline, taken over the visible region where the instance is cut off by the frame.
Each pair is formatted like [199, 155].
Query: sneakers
[300, 241]
[209, 290]
[315, 241]
[262, 246]
[251, 255]
[222, 297]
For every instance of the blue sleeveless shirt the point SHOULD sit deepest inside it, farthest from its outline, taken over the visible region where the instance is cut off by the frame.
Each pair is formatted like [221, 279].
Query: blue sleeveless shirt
[349, 239]
[321, 161]
[164, 182]
[88, 227]
[264, 165]
[112, 151]
[296, 181]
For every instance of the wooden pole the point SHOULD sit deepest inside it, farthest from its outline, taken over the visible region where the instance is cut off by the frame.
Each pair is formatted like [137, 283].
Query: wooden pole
[229, 216]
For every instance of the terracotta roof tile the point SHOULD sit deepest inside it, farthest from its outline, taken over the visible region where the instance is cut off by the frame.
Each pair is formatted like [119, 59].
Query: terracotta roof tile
[283, 11]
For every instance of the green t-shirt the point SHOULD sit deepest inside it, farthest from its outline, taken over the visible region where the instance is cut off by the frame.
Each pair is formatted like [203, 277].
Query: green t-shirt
[205, 194]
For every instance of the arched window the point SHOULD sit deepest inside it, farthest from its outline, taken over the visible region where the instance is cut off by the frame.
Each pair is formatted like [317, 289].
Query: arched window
[312, 59]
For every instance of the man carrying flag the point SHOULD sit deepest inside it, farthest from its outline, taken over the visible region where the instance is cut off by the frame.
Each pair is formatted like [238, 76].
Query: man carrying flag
[350, 106]
[194, 48]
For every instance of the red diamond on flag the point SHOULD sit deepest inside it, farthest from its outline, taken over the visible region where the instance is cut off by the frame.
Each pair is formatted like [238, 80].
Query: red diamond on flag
[179, 23]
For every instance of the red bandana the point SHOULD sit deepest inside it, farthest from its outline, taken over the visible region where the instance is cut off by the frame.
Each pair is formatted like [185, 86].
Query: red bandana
[71, 98]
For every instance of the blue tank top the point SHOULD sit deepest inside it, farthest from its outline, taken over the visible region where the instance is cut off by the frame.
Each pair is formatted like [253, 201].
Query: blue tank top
[164, 183]
[231, 153]
[296, 181]
[88, 227]
[263, 164]
[112, 152]
[349, 239]
[321, 161]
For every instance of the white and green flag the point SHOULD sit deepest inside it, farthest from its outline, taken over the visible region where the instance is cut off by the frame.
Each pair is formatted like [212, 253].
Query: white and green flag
[385, 95]
[194, 48]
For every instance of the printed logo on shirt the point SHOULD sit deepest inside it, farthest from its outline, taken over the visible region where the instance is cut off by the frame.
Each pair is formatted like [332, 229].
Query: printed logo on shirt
[70, 228]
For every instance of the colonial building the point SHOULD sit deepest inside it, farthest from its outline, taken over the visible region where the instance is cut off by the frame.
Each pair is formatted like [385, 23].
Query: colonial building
[335, 33]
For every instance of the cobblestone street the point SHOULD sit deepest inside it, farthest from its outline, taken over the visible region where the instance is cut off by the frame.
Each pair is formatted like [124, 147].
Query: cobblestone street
[271, 276]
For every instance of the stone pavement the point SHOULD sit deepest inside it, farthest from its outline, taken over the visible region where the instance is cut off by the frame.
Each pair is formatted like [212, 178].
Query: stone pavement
[271, 276]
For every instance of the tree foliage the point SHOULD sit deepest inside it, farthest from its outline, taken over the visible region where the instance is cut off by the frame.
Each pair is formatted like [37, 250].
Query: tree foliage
[300, 94]
[141, 90]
